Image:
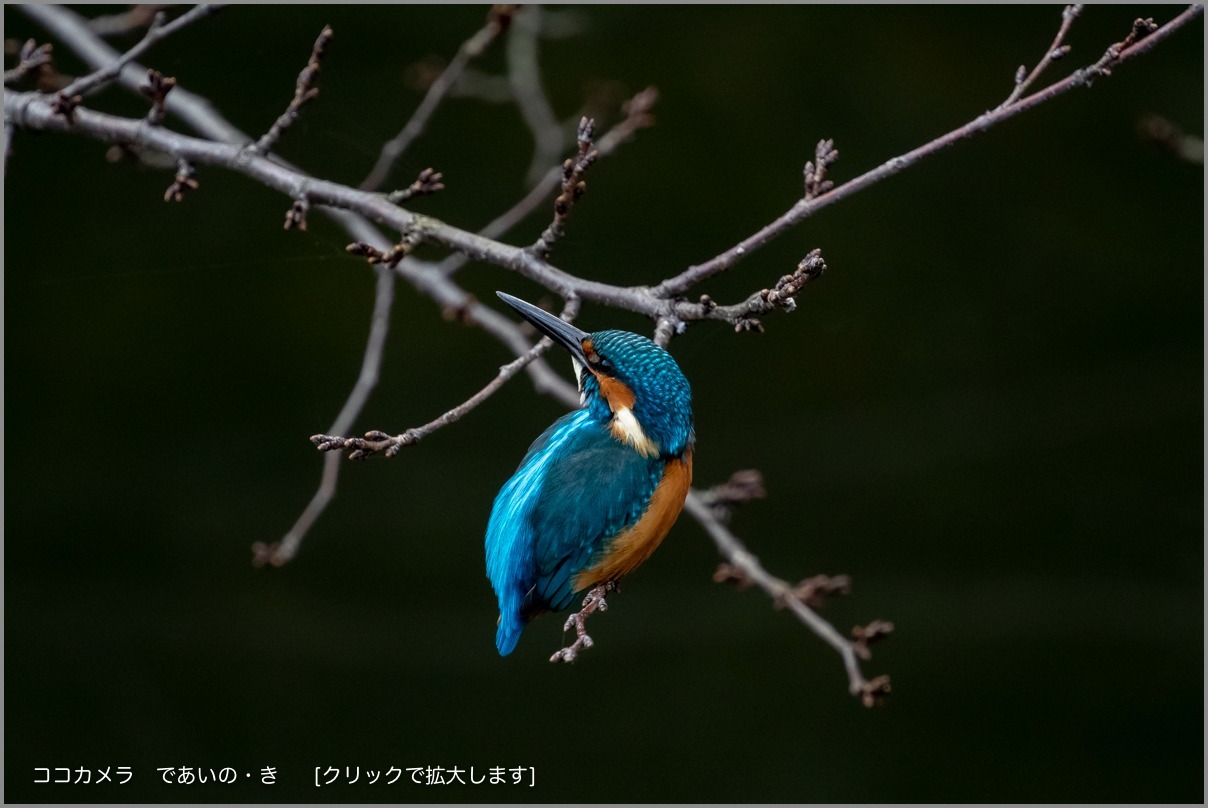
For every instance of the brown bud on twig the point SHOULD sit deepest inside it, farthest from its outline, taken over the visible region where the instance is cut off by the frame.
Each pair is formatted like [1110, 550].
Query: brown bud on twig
[730, 574]
[31, 56]
[157, 88]
[372, 443]
[65, 105]
[874, 691]
[295, 217]
[268, 555]
[304, 90]
[501, 14]
[327, 443]
[784, 293]
[814, 591]
[863, 635]
[391, 257]
[743, 486]
[429, 181]
[183, 183]
[1141, 28]
[639, 109]
[744, 324]
[573, 186]
[365, 250]
[816, 183]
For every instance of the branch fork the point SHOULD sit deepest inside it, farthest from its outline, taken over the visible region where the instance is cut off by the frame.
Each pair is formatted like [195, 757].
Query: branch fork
[428, 182]
[31, 57]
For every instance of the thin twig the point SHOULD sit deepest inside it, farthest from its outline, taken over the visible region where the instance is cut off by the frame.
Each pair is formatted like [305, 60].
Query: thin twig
[32, 56]
[158, 30]
[304, 90]
[744, 563]
[280, 552]
[33, 111]
[573, 186]
[72, 29]
[1056, 51]
[638, 115]
[806, 208]
[497, 20]
[429, 181]
[138, 16]
[376, 441]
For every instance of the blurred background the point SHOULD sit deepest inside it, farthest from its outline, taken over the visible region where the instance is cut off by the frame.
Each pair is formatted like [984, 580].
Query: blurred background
[989, 413]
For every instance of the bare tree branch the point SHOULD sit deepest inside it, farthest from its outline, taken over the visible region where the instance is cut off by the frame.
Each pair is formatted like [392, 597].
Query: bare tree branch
[498, 20]
[638, 115]
[805, 208]
[376, 441]
[280, 552]
[201, 115]
[72, 29]
[745, 567]
[1054, 52]
[159, 29]
[137, 17]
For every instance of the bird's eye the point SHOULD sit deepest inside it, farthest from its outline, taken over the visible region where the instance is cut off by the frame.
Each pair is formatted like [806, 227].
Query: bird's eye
[598, 363]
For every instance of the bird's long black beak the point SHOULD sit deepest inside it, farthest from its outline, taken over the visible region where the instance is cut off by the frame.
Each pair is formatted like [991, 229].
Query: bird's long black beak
[560, 331]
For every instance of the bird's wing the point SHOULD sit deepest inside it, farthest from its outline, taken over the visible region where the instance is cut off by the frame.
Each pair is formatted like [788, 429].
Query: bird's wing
[592, 489]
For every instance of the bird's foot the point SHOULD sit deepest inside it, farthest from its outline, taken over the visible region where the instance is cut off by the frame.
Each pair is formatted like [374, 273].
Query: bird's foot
[594, 602]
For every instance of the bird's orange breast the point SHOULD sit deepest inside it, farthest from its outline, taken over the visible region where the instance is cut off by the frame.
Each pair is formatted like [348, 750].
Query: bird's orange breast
[635, 544]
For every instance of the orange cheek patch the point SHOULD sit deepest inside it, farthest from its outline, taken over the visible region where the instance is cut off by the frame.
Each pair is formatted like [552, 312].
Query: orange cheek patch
[617, 394]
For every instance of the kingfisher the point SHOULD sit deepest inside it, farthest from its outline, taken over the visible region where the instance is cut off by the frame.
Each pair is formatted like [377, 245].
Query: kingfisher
[598, 490]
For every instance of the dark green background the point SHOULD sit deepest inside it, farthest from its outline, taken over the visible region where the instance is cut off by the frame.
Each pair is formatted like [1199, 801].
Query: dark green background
[989, 413]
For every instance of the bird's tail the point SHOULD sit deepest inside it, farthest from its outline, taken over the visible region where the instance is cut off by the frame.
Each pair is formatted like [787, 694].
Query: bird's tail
[508, 634]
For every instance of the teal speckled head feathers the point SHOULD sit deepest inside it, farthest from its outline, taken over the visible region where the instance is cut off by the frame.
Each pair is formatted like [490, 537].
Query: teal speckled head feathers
[662, 399]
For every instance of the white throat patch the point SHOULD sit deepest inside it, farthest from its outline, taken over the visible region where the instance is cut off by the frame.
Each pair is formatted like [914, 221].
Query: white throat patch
[625, 428]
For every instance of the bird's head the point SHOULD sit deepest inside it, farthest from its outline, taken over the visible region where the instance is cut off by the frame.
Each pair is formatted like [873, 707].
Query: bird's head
[626, 380]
